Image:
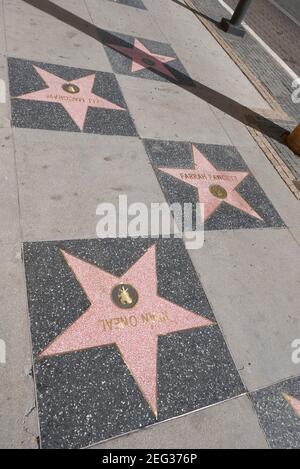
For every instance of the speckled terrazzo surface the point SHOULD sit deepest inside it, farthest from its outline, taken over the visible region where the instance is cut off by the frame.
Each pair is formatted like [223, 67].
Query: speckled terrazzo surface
[156, 60]
[131, 3]
[89, 395]
[164, 154]
[278, 410]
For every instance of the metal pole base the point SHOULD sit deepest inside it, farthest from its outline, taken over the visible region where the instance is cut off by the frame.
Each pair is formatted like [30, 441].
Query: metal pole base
[230, 28]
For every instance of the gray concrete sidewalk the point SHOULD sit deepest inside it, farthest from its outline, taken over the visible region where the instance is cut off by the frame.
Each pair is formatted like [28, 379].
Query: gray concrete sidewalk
[53, 175]
[278, 86]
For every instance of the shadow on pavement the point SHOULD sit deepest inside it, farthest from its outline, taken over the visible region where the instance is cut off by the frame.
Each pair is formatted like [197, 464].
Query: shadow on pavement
[193, 10]
[225, 104]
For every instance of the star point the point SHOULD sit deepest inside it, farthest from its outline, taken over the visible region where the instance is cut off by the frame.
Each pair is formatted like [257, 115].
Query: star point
[293, 402]
[134, 331]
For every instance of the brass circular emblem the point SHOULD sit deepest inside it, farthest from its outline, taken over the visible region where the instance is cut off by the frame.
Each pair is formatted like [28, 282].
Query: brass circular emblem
[218, 191]
[148, 61]
[71, 88]
[124, 296]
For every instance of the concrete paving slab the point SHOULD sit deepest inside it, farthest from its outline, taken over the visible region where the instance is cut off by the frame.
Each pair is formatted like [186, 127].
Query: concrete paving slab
[275, 188]
[2, 30]
[202, 56]
[45, 38]
[131, 3]
[296, 234]
[169, 9]
[162, 111]
[18, 420]
[4, 94]
[123, 19]
[230, 425]
[62, 185]
[236, 131]
[252, 281]
[9, 207]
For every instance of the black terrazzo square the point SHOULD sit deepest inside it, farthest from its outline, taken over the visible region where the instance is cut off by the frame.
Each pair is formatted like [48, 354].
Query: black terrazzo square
[278, 410]
[131, 3]
[93, 103]
[89, 392]
[239, 201]
[144, 58]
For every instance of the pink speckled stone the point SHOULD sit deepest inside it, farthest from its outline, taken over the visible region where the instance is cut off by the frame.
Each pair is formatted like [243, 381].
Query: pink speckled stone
[75, 104]
[204, 176]
[137, 342]
[138, 53]
[294, 403]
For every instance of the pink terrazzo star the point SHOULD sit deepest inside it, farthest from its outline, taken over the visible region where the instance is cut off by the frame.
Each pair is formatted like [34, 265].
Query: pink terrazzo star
[76, 103]
[134, 331]
[294, 403]
[142, 58]
[214, 187]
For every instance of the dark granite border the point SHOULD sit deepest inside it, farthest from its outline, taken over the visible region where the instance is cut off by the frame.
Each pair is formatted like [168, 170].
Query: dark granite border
[32, 114]
[226, 158]
[89, 395]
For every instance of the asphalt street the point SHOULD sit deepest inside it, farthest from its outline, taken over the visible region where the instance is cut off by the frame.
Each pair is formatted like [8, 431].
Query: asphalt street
[277, 23]
[292, 7]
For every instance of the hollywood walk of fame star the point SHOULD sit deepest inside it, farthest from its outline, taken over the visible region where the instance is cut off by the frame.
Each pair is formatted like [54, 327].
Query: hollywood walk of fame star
[134, 331]
[214, 187]
[143, 58]
[294, 403]
[76, 96]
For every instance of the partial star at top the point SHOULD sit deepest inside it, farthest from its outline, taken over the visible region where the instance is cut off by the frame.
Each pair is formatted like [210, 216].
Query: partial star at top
[126, 311]
[214, 187]
[294, 403]
[76, 96]
[143, 58]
